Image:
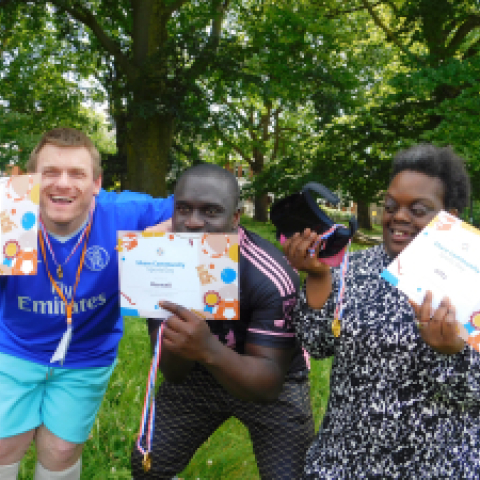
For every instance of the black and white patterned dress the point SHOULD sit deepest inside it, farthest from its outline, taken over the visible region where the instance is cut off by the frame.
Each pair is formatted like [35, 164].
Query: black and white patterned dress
[397, 409]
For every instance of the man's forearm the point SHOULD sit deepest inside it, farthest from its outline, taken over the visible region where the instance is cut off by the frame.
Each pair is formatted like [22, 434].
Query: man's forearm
[246, 377]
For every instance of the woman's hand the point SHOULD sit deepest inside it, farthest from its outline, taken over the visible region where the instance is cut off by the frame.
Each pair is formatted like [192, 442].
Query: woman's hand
[440, 330]
[301, 249]
[302, 252]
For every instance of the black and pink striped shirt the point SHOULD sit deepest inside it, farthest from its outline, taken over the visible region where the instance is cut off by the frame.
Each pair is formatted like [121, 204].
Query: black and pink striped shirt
[268, 288]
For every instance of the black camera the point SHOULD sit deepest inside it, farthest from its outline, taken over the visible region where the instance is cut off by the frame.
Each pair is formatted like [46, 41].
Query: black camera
[299, 211]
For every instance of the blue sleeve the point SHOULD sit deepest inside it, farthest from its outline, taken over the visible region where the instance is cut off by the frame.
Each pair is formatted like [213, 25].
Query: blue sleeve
[143, 209]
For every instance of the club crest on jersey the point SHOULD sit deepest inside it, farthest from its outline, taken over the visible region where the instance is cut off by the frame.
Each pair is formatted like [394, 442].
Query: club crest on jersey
[96, 258]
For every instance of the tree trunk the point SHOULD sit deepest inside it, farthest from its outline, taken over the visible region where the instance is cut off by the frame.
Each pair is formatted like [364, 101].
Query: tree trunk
[150, 133]
[363, 213]
[149, 143]
[261, 202]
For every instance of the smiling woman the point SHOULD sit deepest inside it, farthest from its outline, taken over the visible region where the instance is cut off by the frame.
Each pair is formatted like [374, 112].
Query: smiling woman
[404, 401]
[425, 179]
[411, 201]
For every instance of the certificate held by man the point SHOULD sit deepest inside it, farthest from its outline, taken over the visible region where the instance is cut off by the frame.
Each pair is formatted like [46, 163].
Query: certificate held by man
[196, 270]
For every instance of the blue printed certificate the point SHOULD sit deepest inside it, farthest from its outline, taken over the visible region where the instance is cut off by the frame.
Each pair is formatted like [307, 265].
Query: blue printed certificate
[196, 270]
[445, 259]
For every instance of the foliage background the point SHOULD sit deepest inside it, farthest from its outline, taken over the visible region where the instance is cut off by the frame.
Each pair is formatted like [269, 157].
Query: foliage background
[295, 90]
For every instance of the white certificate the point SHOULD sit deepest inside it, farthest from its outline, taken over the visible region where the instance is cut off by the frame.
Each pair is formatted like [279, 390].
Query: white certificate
[445, 259]
[198, 271]
[19, 206]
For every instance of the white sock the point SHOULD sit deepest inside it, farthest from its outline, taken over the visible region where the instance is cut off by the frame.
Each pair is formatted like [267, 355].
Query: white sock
[72, 473]
[9, 472]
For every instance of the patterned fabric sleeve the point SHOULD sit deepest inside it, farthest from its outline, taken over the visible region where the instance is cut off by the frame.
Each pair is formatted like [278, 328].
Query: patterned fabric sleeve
[314, 327]
[458, 376]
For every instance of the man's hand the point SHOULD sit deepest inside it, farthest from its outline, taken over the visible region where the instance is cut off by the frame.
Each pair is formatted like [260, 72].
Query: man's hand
[256, 375]
[187, 335]
[165, 226]
[438, 330]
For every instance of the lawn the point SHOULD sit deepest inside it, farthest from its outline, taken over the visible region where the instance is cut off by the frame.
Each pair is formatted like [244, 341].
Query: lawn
[226, 455]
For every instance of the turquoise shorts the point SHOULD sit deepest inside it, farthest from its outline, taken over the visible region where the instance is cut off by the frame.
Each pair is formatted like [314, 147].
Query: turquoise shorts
[65, 400]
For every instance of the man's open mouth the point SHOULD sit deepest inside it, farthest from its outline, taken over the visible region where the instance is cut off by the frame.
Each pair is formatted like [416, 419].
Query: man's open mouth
[61, 200]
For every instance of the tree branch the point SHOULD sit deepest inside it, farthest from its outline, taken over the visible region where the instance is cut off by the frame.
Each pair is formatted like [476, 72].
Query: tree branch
[88, 19]
[240, 116]
[472, 50]
[251, 128]
[174, 6]
[339, 13]
[217, 23]
[234, 146]
[265, 121]
[276, 133]
[472, 22]
[206, 57]
[388, 32]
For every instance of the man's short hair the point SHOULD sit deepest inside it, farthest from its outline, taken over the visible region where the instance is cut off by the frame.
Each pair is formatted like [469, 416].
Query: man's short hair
[438, 162]
[211, 170]
[66, 137]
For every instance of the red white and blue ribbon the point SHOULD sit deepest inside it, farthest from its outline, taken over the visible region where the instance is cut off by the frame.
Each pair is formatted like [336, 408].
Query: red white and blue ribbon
[341, 288]
[336, 326]
[321, 239]
[147, 423]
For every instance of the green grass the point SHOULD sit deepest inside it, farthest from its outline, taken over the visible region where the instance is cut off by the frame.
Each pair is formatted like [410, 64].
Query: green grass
[226, 455]
[265, 230]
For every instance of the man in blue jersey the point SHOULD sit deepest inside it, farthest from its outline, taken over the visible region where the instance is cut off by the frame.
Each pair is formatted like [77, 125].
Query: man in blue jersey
[251, 368]
[59, 329]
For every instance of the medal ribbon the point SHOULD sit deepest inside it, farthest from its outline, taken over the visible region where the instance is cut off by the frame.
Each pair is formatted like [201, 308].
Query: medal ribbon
[61, 351]
[336, 325]
[50, 249]
[341, 291]
[321, 239]
[148, 412]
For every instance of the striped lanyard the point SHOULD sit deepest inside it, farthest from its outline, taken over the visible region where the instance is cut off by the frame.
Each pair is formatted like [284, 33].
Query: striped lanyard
[61, 350]
[336, 325]
[147, 423]
[59, 266]
[322, 239]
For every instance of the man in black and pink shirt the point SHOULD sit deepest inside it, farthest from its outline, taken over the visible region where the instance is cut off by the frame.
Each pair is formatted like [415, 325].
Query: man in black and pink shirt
[252, 369]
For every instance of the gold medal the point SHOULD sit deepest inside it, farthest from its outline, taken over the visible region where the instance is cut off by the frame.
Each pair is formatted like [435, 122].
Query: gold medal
[147, 462]
[59, 272]
[336, 327]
